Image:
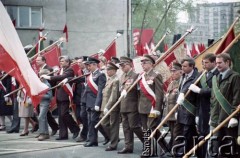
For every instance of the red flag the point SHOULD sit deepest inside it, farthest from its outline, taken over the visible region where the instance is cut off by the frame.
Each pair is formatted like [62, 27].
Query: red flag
[228, 39]
[110, 51]
[165, 47]
[13, 57]
[52, 55]
[65, 30]
[75, 68]
[194, 51]
[145, 38]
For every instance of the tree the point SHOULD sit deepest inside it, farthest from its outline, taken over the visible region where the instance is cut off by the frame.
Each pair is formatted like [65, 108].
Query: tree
[159, 15]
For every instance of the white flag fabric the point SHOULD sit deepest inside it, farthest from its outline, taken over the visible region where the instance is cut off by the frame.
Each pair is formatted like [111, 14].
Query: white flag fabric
[13, 57]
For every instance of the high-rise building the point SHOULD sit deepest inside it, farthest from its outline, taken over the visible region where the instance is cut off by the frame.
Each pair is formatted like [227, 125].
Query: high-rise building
[211, 20]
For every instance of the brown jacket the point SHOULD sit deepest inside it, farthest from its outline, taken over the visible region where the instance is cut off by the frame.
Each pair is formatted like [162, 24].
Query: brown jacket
[130, 102]
[110, 93]
[171, 98]
[154, 80]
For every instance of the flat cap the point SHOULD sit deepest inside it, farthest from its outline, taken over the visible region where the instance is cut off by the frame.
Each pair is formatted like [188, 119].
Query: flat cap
[148, 58]
[115, 60]
[84, 58]
[124, 59]
[111, 66]
[91, 60]
[176, 66]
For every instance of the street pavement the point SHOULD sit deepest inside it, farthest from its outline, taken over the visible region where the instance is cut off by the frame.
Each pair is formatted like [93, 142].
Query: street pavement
[14, 146]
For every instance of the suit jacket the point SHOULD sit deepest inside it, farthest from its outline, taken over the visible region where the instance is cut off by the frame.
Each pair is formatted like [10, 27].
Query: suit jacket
[130, 102]
[185, 117]
[61, 94]
[91, 98]
[111, 93]
[47, 67]
[154, 81]
[205, 93]
[230, 88]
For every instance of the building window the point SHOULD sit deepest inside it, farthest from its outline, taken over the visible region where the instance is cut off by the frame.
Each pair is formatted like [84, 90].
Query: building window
[26, 17]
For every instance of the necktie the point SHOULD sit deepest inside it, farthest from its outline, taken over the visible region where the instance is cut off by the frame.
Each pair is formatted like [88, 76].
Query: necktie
[220, 78]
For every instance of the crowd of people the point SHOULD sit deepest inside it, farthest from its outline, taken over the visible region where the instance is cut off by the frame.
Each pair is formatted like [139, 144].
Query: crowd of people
[100, 84]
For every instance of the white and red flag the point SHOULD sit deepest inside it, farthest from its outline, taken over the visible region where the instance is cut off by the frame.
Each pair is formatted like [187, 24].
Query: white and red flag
[13, 56]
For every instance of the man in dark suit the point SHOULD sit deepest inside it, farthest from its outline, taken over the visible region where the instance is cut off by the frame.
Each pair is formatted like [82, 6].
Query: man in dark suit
[204, 91]
[41, 62]
[65, 119]
[95, 83]
[185, 128]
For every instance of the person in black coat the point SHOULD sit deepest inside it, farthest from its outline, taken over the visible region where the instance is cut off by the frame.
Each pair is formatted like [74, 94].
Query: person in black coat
[185, 129]
[204, 90]
[65, 119]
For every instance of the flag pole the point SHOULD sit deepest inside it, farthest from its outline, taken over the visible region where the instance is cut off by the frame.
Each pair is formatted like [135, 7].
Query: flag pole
[4, 76]
[212, 132]
[229, 30]
[176, 106]
[168, 52]
[59, 40]
[40, 40]
[16, 90]
[174, 109]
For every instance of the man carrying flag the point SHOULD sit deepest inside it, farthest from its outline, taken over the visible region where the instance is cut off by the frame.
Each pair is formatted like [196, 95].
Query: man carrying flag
[225, 99]
[63, 100]
[150, 101]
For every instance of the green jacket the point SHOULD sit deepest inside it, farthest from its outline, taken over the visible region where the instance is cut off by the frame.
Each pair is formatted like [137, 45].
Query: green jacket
[230, 88]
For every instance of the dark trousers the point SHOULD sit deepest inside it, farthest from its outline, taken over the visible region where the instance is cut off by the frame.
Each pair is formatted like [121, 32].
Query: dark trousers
[171, 125]
[78, 111]
[183, 139]
[227, 137]
[16, 119]
[84, 120]
[51, 121]
[93, 118]
[65, 120]
[203, 127]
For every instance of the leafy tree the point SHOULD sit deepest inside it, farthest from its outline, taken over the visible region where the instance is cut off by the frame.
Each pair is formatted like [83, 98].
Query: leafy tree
[159, 15]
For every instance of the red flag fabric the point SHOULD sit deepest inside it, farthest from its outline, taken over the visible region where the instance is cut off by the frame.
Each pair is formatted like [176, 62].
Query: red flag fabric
[165, 47]
[194, 51]
[52, 55]
[75, 68]
[110, 51]
[13, 57]
[145, 39]
[228, 39]
[65, 30]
